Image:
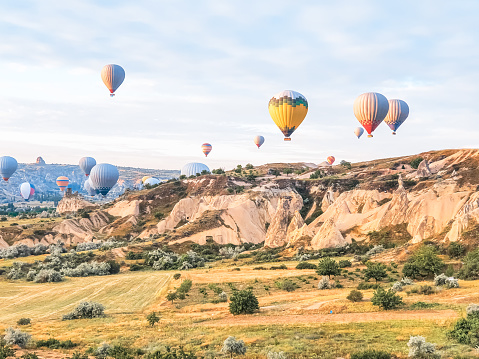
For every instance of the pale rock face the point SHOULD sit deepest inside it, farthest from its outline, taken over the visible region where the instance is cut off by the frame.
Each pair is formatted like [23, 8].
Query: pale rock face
[328, 199]
[80, 230]
[3, 244]
[70, 204]
[277, 231]
[423, 169]
[125, 208]
[329, 236]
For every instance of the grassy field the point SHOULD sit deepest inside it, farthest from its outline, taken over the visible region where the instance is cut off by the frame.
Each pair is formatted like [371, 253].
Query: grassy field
[296, 322]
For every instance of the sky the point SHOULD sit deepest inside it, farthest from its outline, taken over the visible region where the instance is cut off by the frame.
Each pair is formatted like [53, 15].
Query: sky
[204, 71]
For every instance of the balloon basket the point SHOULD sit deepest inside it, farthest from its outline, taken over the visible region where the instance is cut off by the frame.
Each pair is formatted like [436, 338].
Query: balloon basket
[394, 133]
[287, 139]
[112, 94]
[370, 135]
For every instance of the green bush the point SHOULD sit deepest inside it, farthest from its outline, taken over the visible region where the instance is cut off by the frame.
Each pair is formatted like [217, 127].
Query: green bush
[415, 162]
[355, 296]
[171, 353]
[86, 310]
[53, 343]
[176, 276]
[344, 263]
[243, 302]
[287, 285]
[386, 299]
[456, 250]
[152, 319]
[23, 321]
[306, 265]
[376, 271]
[5, 351]
[423, 305]
[366, 286]
[371, 354]
[329, 267]
[424, 263]
[114, 267]
[470, 268]
[185, 286]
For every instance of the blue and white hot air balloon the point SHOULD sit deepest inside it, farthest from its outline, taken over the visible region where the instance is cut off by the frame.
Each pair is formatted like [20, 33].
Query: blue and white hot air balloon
[88, 188]
[191, 169]
[112, 76]
[103, 177]
[86, 164]
[152, 181]
[8, 166]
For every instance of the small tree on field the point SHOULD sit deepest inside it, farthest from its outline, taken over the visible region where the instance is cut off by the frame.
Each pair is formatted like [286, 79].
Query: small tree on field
[386, 299]
[152, 319]
[355, 296]
[375, 270]
[232, 346]
[249, 166]
[243, 302]
[328, 267]
[424, 263]
[171, 296]
[288, 171]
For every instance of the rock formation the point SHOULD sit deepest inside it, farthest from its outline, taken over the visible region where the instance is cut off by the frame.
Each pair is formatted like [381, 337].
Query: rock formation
[72, 203]
[423, 169]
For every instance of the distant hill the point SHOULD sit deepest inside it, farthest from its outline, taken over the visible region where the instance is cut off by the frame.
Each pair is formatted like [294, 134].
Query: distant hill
[43, 177]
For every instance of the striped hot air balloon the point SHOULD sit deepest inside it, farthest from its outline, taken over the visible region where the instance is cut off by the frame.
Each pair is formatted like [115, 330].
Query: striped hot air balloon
[358, 131]
[86, 164]
[370, 109]
[62, 182]
[27, 190]
[288, 109]
[194, 168]
[103, 177]
[331, 159]
[397, 114]
[258, 141]
[206, 148]
[112, 76]
[8, 166]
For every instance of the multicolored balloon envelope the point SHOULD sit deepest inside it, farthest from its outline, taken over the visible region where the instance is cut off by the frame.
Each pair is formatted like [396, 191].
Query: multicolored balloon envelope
[86, 164]
[331, 160]
[27, 190]
[370, 109]
[145, 178]
[397, 114]
[258, 140]
[62, 182]
[358, 131]
[112, 76]
[103, 177]
[8, 166]
[206, 148]
[288, 109]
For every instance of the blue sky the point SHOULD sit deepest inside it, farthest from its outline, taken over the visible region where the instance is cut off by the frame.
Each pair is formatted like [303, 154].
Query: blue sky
[204, 71]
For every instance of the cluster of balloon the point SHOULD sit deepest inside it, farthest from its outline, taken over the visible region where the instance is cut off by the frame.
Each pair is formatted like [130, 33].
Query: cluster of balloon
[86, 164]
[331, 160]
[112, 76]
[62, 182]
[206, 148]
[27, 190]
[288, 109]
[372, 108]
[103, 177]
[8, 166]
[258, 141]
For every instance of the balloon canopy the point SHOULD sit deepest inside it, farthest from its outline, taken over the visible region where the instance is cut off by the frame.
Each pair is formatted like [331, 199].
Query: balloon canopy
[258, 140]
[192, 169]
[8, 166]
[86, 164]
[62, 182]
[331, 160]
[27, 190]
[103, 177]
[370, 109]
[288, 109]
[397, 114]
[112, 76]
[88, 188]
[206, 148]
[152, 181]
[358, 131]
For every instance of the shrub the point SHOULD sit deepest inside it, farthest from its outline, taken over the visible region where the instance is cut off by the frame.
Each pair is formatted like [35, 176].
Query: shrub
[152, 319]
[23, 321]
[466, 330]
[276, 355]
[287, 285]
[232, 346]
[53, 343]
[5, 351]
[375, 250]
[16, 337]
[324, 283]
[47, 276]
[329, 267]
[456, 250]
[448, 282]
[344, 263]
[185, 286]
[86, 310]
[371, 354]
[470, 267]
[419, 348]
[415, 162]
[375, 270]
[102, 351]
[424, 263]
[114, 267]
[306, 265]
[423, 305]
[386, 299]
[176, 276]
[243, 302]
[366, 286]
[355, 296]
[223, 297]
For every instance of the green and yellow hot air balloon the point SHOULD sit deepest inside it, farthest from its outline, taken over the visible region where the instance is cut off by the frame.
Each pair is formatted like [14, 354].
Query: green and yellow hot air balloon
[288, 109]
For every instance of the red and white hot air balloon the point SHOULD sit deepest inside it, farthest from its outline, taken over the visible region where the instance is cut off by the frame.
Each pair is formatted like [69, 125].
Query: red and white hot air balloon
[370, 109]
[258, 140]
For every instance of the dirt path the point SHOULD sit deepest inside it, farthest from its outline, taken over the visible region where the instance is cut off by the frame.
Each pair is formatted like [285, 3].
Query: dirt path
[334, 318]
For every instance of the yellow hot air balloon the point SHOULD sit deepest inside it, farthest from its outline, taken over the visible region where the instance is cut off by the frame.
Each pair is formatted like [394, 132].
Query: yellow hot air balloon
[145, 178]
[288, 109]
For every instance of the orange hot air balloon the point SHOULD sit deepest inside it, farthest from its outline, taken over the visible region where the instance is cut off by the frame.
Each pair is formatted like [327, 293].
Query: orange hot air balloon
[206, 148]
[370, 109]
[62, 182]
[331, 160]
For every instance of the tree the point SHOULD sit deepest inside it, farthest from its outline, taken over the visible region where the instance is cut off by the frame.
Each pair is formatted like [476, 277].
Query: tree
[355, 296]
[232, 346]
[249, 166]
[415, 162]
[329, 267]
[456, 250]
[218, 171]
[424, 263]
[470, 268]
[275, 173]
[152, 319]
[205, 172]
[375, 270]
[171, 296]
[243, 302]
[238, 169]
[345, 164]
[288, 171]
[386, 299]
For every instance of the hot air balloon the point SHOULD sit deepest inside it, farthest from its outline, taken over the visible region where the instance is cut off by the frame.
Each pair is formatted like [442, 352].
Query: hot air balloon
[62, 182]
[288, 109]
[152, 181]
[206, 148]
[191, 169]
[331, 159]
[103, 177]
[258, 140]
[145, 178]
[397, 114]
[112, 76]
[8, 165]
[86, 164]
[358, 131]
[27, 190]
[370, 109]
[88, 188]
